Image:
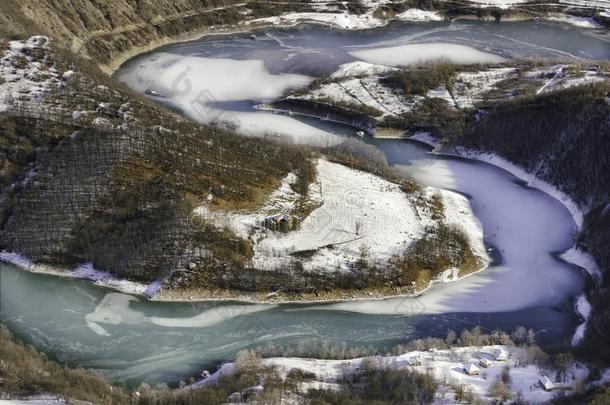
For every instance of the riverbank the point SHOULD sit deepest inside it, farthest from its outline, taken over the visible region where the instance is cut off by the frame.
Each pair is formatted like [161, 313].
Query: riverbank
[84, 272]
[336, 21]
[154, 292]
[574, 255]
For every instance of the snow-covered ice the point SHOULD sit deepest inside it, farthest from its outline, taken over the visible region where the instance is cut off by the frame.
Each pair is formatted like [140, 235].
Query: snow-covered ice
[115, 309]
[415, 53]
[195, 85]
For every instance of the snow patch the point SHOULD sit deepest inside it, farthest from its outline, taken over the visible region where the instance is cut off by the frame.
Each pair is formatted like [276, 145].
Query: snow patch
[416, 14]
[583, 308]
[447, 366]
[583, 259]
[24, 76]
[344, 20]
[359, 68]
[470, 87]
[84, 271]
[576, 21]
[503, 4]
[415, 53]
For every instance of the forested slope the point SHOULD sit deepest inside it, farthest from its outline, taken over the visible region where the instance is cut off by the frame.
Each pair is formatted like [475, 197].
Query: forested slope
[110, 31]
[92, 173]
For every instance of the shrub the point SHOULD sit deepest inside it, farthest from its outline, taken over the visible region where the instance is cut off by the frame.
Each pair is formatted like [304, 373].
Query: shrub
[247, 360]
[417, 80]
[24, 371]
[381, 386]
[500, 391]
[426, 258]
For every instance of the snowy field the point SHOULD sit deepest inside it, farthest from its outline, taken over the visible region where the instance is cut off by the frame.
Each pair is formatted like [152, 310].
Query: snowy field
[470, 87]
[503, 4]
[410, 54]
[447, 366]
[366, 90]
[357, 211]
[360, 84]
[599, 4]
[195, 85]
[345, 20]
[580, 22]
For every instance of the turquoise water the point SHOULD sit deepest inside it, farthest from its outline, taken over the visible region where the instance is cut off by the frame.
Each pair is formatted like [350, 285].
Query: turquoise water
[134, 340]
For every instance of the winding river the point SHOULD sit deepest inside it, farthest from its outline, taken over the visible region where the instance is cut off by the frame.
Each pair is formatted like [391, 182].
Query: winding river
[134, 340]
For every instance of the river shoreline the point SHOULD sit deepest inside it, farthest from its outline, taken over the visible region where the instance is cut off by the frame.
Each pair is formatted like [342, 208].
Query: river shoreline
[573, 256]
[531, 180]
[132, 288]
[104, 279]
[246, 27]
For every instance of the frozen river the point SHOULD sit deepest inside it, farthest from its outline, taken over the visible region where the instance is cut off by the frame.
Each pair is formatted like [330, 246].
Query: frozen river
[135, 340]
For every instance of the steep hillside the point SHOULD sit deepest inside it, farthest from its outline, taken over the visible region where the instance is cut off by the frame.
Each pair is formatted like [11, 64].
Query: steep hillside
[92, 173]
[110, 32]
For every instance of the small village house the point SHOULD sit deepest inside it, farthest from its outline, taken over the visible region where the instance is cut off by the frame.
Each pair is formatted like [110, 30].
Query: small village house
[485, 362]
[279, 222]
[471, 369]
[546, 383]
[414, 361]
[501, 355]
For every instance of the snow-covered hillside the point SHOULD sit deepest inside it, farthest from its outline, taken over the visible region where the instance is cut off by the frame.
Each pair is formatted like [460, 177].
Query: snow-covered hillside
[355, 212]
[329, 14]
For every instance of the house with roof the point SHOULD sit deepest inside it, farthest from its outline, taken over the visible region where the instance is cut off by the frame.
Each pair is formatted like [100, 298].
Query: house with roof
[501, 355]
[279, 222]
[546, 383]
[485, 362]
[471, 369]
[414, 361]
